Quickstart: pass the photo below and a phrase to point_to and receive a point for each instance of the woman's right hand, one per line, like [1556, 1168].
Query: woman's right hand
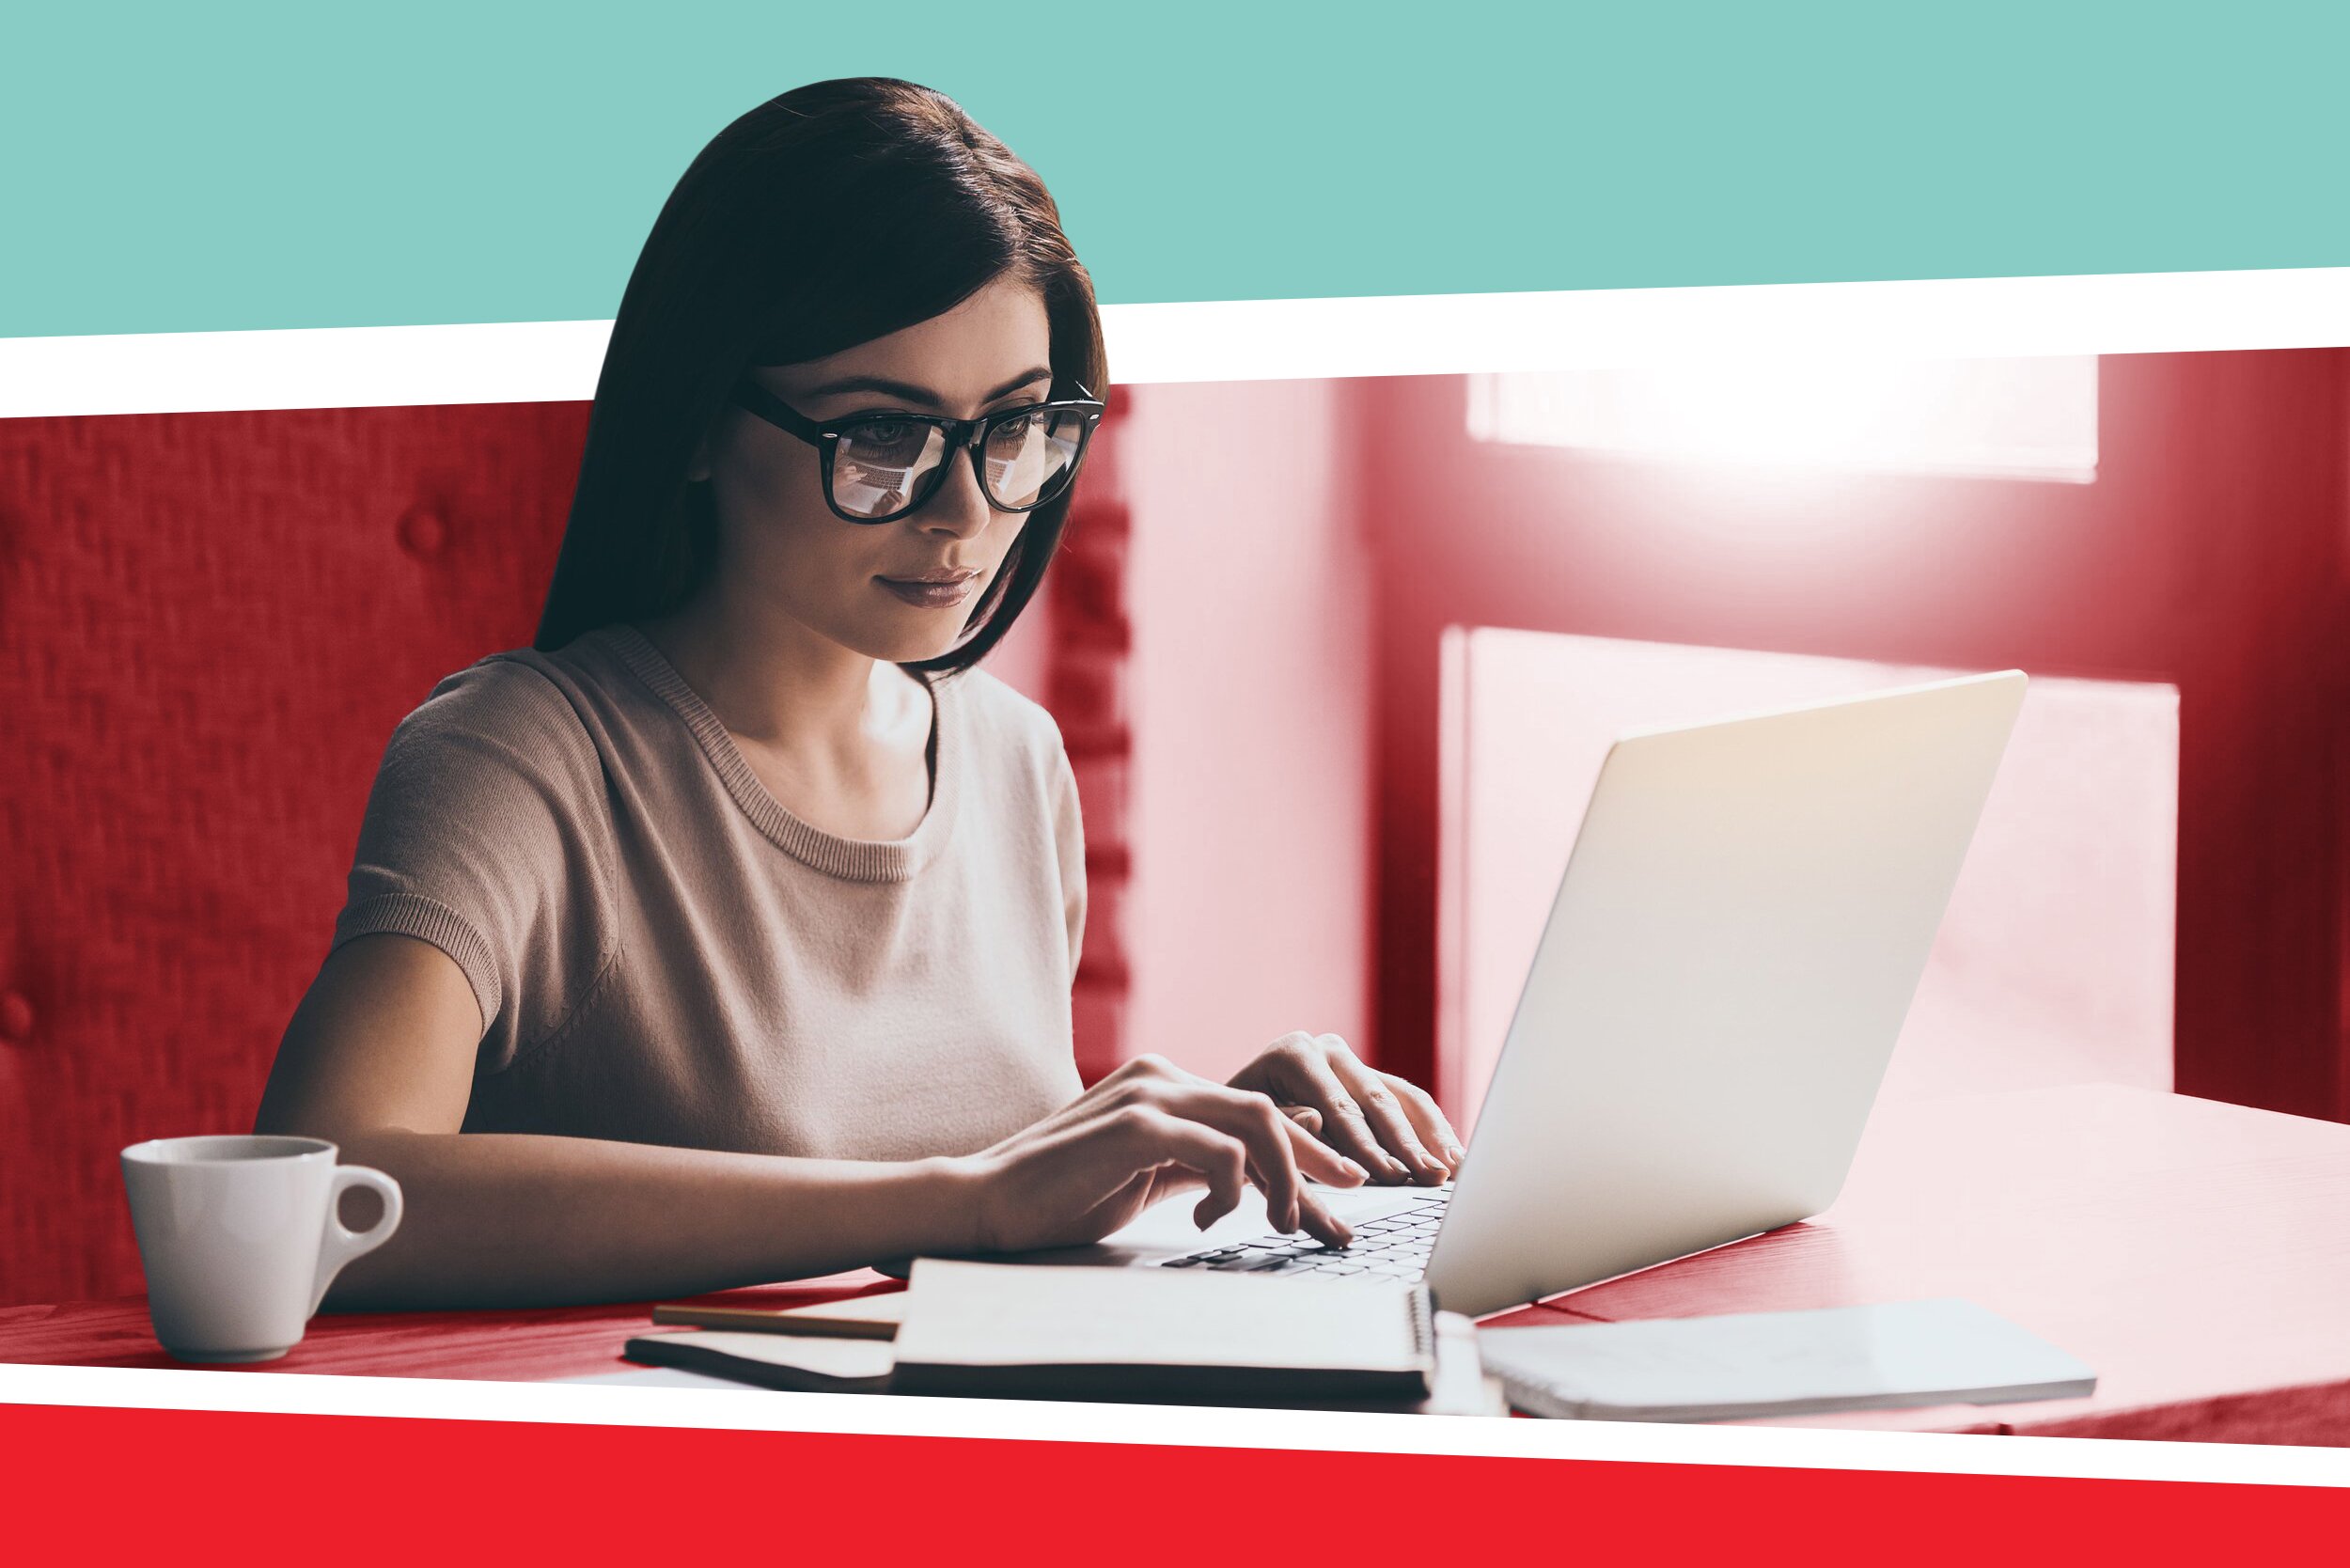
[1145, 1131]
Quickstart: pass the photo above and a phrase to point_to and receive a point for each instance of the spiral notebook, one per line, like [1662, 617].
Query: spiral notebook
[1037, 1332]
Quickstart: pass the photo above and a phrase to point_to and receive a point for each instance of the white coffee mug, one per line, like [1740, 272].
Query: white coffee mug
[240, 1238]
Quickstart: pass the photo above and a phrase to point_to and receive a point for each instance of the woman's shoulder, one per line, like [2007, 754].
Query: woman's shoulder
[517, 711]
[1001, 718]
[497, 692]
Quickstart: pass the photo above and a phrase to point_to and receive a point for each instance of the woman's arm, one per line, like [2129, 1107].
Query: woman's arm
[379, 1056]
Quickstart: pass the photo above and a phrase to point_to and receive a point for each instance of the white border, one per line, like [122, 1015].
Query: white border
[1019, 1420]
[533, 362]
[1257, 339]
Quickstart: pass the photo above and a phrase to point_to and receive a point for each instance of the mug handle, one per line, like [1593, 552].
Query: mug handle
[341, 1244]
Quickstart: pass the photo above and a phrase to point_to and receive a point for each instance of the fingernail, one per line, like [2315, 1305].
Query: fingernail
[1454, 1153]
[1354, 1170]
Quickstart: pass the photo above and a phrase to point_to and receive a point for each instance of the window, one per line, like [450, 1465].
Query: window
[2011, 419]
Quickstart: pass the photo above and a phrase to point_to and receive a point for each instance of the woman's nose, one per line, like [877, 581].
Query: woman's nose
[959, 508]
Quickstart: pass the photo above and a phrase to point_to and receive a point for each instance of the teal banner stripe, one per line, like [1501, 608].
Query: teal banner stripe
[181, 169]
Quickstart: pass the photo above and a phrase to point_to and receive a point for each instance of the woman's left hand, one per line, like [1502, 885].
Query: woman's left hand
[1390, 1127]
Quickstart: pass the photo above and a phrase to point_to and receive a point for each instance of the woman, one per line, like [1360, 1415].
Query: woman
[727, 934]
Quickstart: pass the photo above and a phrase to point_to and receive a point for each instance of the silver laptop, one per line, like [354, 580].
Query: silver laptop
[1733, 946]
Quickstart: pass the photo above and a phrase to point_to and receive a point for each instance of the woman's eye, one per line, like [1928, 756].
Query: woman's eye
[885, 441]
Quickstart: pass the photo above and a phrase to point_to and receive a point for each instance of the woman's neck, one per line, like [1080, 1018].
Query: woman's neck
[774, 681]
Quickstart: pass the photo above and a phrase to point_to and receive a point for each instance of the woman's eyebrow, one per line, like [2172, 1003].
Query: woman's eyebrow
[1041, 372]
[908, 392]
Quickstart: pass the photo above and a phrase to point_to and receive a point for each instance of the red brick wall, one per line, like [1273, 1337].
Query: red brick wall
[1092, 637]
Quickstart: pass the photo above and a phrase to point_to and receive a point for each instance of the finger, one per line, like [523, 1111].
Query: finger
[1344, 1127]
[1278, 1070]
[1320, 1224]
[1428, 1120]
[1119, 1087]
[1384, 1113]
[1264, 1131]
[1317, 1161]
[1245, 1114]
[1312, 1217]
[1295, 1074]
[1314, 1157]
[1147, 1136]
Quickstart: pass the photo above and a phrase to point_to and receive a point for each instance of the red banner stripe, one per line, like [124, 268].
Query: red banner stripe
[94, 1481]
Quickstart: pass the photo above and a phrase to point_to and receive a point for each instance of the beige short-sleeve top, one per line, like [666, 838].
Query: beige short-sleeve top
[664, 954]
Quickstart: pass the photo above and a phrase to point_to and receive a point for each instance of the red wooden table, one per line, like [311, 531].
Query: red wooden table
[2195, 1254]
[512, 1345]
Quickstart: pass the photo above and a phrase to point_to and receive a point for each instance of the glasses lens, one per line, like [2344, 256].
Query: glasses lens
[1029, 457]
[879, 467]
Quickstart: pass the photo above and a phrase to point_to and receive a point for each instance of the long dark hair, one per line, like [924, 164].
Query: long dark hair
[826, 218]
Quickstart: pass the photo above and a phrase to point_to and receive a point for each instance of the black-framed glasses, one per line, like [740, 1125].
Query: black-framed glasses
[878, 467]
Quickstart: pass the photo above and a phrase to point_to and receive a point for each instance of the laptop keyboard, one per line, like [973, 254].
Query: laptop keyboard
[1395, 1247]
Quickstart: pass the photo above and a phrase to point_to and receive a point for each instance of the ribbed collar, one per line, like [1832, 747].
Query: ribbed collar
[851, 859]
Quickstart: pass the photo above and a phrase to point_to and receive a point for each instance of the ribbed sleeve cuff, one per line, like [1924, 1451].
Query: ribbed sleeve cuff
[427, 921]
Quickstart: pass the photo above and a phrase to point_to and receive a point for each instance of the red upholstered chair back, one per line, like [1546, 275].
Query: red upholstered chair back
[211, 623]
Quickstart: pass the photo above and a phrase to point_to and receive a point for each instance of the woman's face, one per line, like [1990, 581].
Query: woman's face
[900, 590]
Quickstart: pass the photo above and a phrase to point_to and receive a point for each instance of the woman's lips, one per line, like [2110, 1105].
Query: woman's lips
[931, 593]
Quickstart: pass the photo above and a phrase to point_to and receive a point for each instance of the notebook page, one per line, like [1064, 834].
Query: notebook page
[997, 1314]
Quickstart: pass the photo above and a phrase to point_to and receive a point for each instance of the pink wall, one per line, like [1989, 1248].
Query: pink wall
[1250, 595]
[1023, 659]
[1250, 686]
